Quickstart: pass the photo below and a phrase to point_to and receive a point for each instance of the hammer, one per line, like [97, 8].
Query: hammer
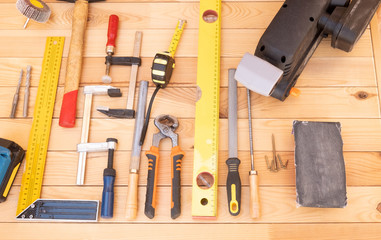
[74, 62]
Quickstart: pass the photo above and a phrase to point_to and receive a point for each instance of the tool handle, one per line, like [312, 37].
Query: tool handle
[113, 23]
[233, 186]
[108, 193]
[177, 156]
[74, 64]
[132, 196]
[153, 159]
[254, 196]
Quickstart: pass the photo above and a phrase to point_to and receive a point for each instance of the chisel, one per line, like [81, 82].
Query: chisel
[233, 182]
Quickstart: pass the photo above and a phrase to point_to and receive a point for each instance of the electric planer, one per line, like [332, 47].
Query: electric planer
[293, 36]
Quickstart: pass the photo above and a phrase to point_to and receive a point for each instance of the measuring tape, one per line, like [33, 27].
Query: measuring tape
[205, 183]
[161, 71]
[176, 37]
[42, 120]
[164, 62]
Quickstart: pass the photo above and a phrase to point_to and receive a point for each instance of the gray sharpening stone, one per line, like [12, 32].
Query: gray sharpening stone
[319, 165]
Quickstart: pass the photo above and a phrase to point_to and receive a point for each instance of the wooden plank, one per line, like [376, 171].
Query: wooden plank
[362, 169]
[278, 205]
[61, 231]
[235, 42]
[358, 134]
[338, 71]
[155, 15]
[148, 1]
[351, 102]
[376, 40]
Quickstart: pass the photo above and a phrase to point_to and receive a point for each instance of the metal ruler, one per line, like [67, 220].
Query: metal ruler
[42, 120]
[205, 183]
[176, 37]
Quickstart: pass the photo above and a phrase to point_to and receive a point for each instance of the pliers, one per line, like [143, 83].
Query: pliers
[167, 125]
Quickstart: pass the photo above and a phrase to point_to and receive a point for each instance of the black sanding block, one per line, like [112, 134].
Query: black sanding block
[319, 165]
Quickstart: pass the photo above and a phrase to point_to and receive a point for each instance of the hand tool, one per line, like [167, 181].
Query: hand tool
[61, 210]
[255, 211]
[133, 177]
[42, 119]
[16, 96]
[112, 33]
[74, 63]
[109, 173]
[11, 156]
[33, 9]
[26, 93]
[167, 125]
[205, 170]
[233, 181]
[134, 62]
[161, 70]
[293, 36]
[89, 91]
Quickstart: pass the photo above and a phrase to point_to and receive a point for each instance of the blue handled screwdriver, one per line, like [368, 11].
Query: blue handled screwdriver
[109, 174]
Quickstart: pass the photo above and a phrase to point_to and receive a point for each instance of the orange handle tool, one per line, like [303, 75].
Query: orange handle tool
[113, 23]
[177, 156]
[153, 159]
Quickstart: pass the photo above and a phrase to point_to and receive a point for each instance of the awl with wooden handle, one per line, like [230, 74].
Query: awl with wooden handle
[112, 32]
[255, 211]
[74, 62]
[132, 194]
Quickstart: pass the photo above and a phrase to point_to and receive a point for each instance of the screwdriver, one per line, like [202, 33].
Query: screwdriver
[233, 181]
[253, 175]
[112, 31]
[109, 174]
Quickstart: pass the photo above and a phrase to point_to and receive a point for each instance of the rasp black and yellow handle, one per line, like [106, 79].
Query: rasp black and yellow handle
[233, 186]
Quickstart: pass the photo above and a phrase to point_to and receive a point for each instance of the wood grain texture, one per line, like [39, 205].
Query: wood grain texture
[336, 86]
[234, 43]
[344, 102]
[61, 231]
[278, 205]
[362, 169]
[336, 72]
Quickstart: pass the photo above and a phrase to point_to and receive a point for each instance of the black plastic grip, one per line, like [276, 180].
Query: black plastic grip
[176, 186]
[123, 61]
[233, 186]
[150, 204]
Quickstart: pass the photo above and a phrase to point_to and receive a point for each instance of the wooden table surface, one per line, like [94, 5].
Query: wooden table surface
[332, 85]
